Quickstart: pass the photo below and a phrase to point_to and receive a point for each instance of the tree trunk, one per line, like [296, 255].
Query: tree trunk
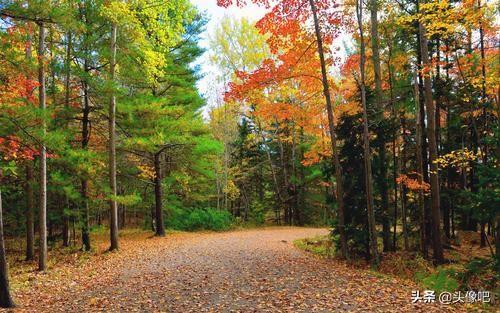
[65, 230]
[42, 260]
[382, 181]
[431, 135]
[30, 197]
[420, 170]
[333, 137]
[497, 236]
[366, 144]
[5, 298]
[483, 84]
[67, 77]
[30, 212]
[423, 142]
[404, 189]
[160, 226]
[395, 150]
[85, 142]
[112, 148]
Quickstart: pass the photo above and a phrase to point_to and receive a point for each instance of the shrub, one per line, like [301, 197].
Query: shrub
[441, 280]
[198, 219]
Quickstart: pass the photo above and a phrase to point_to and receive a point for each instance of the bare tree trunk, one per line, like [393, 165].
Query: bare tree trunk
[333, 137]
[395, 150]
[404, 189]
[67, 68]
[423, 143]
[30, 208]
[366, 144]
[484, 105]
[160, 226]
[431, 135]
[42, 260]
[382, 181]
[112, 149]
[85, 224]
[85, 142]
[65, 230]
[5, 298]
[420, 170]
[30, 197]
[497, 236]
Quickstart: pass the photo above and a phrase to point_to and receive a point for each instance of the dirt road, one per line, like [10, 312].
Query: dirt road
[240, 271]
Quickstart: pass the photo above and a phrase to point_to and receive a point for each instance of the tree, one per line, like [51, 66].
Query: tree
[333, 139]
[366, 143]
[431, 135]
[286, 30]
[42, 222]
[5, 298]
[113, 226]
[373, 6]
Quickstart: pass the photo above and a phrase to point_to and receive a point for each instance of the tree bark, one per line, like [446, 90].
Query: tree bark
[112, 148]
[5, 298]
[382, 181]
[30, 211]
[423, 140]
[333, 137]
[404, 189]
[431, 135]
[85, 142]
[395, 150]
[42, 260]
[160, 226]
[30, 197]
[65, 229]
[497, 236]
[366, 144]
[420, 170]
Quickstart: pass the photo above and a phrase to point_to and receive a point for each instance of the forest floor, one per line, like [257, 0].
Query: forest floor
[254, 270]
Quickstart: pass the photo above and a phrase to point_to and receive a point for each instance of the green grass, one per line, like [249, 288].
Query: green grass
[319, 245]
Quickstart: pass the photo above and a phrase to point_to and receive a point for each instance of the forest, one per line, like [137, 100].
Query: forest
[365, 131]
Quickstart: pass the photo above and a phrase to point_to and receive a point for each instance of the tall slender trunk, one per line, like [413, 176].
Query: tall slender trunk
[420, 170]
[497, 236]
[42, 260]
[5, 298]
[30, 200]
[484, 96]
[67, 74]
[112, 148]
[447, 205]
[404, 189]
[423, 140]
[366, 143]
[333, 137]
[65, 220]
[30, 212]
[448, 214]
[67, 77]
[395, 150]
[431, 135]
[85, 142]
[382, 181]
[160, 226]
[484, 105]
